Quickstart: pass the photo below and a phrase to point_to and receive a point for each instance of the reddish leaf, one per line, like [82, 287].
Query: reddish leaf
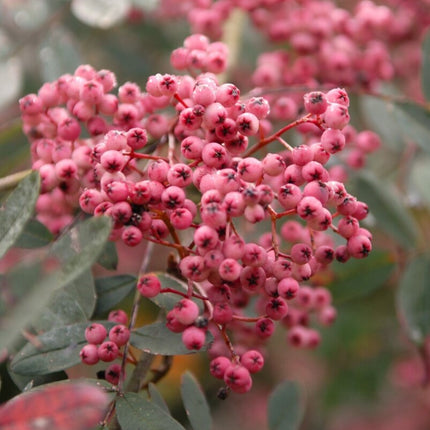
[63, 406]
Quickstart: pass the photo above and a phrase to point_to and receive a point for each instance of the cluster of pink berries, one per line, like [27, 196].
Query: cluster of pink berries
[357, 44]
[187, 180]
[98, 348]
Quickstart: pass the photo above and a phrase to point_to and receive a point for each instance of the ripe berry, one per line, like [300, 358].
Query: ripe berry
[108, 351]
[95, 333]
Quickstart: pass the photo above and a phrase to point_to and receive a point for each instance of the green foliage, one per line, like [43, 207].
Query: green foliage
[109, 257]
[425, 71]
[156, 338]
[52, 351]
[413, 298]
[111, 290]
[285, 407]
[136, 413]
[167, 301]
[34, 235]
[361, 277]
[384, 202]
[195, 403]
[17, 210]
[414, 121]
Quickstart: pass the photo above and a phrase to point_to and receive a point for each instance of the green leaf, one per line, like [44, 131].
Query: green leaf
[167, 301]
[68, 305]
[414, 121]
[136, 413]
[359, 278]
[112, 290]
[195, 403]
[156, 338]
[420, 178]
[17, 210]
[385, 204]
[425, 71]
[285, 408]
[77, 251]
[379, 114]
[28, 382]
[34, 235]
[59, 349]
[413, 298]
[157, 398]
[109, 257]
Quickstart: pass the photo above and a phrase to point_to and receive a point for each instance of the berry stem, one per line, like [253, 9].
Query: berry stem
[262, 143]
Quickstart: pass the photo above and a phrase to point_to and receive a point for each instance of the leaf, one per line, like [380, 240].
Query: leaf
[414, 121]
[285, 408]
[136, 413]
[24, 382]
[413, 298]
[100, 13]
[379, 114]
[420, 178]
[109, 257]
[195, 403]
[71, 304]
[34, 235]
[77, 250]
[167, 301]
[112, 290]
[156, 398]
[385, 204]
[63, 406]
[17, 210]
[359, 278]
[156, 338]
[54, 350]
[425, 71]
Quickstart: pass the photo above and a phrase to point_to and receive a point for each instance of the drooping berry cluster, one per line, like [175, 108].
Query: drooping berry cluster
[98, 348]
[180, 158]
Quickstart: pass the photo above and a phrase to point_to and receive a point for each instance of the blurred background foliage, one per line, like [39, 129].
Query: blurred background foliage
[367, 364]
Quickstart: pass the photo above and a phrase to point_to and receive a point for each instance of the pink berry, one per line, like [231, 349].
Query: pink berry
[108, 351]
[149, 285]
[186, 311]
[238, 378]
[112, 373]
[193, 338]
[118, 316]
[252, 360]
[218, 366]
[95, 333]
[89, 354]
[119, 334]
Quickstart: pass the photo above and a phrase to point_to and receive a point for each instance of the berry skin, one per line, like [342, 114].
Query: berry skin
[108, 351]
[276, 308]
[112, 373]
[186, 311]
[119, 334]
[238, 378]
[118, 316]
[252, 360]
[315, 102]
[149, 285]
[89, 354]
[95, 333]
[193, 338]
[218, 366]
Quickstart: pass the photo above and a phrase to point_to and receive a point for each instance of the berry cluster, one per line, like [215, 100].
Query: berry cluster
[174, 165]
[98, 348]
[358, 44]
